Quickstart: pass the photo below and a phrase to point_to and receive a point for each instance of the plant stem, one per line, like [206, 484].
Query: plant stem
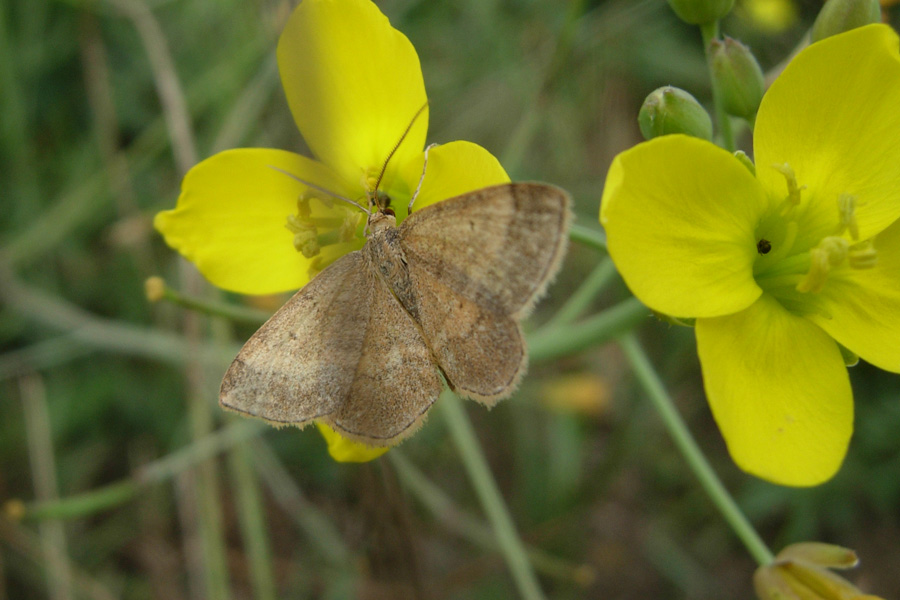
[442, 507]
[555, 341]
[596, 282]
[252, 520]
[691, 452]
[114, 494]
[237, 314]
[588, 236]
[491, 500]
[710, 32]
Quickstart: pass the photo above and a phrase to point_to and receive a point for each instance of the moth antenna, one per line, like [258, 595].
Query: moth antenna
[321, 189]
[421, 179]
[397, 145]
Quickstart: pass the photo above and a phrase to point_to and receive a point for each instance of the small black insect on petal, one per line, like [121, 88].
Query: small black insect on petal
[763, 246]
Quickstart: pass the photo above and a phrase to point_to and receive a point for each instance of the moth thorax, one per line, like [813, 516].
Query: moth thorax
[381, 220]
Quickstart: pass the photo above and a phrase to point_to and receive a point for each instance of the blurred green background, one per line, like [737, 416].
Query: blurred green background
[103, 106]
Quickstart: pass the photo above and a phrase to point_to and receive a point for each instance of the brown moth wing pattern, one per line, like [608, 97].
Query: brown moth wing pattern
[480, 351]
[396, 380]
[343, 351]
[319, 332]
[478, 262]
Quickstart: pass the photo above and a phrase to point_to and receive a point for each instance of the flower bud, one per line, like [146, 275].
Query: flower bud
[671, 110]
[737, 77]
[801, 571]
[838, 16]
[155, 289]
[701, 12]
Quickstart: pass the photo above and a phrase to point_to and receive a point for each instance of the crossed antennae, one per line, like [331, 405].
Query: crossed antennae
[397, 145]
[323, 190]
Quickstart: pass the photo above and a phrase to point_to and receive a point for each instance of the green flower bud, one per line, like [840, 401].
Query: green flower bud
[671, 110]
[838, 16]
[736, 77]
[701, 12]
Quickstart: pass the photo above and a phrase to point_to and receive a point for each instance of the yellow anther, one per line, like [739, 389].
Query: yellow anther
[847, 216]
[369, 180]
[793, 197]
[862, 256]
[306, 239]
[831, 252]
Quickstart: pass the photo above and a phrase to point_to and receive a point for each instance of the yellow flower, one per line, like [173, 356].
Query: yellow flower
[784, 270]
[355, 89]
[800, 572]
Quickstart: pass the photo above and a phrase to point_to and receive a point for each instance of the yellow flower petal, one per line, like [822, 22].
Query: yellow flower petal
[832, 116]
[453, 169]
[343, 450]
[231, 215]
[779, 391]
[353, 84]
[862, 306]
[680, 215]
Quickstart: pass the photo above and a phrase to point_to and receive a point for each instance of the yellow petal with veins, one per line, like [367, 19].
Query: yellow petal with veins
[231, 215]
[680, 215]
[779, 391]
[353, 84]
[832, 116]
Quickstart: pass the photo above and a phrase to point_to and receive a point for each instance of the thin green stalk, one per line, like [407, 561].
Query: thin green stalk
[43, 472]
[442, 507]
[588, 236]
[554, 341]
[309, 519]
[491, 500]
[115, 494]
[691, 452]
[602, 275]
[157, 289]
[710, 32]
[252, 520]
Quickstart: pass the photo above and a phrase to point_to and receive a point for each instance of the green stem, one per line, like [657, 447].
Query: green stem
[602, 275]
[236, 314]
[588, 236]
[252, 520]
[118, 493]
[491, 500]
[691, 452]
[710, 32]
[555, 341]
[474, 530]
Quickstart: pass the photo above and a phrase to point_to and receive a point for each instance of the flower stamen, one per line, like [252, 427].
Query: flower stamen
[793, 197]
[312, 233]
[862, 256]
[831, 252]
[847, 216]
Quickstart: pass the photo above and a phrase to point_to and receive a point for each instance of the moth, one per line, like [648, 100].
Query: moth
[367, 345]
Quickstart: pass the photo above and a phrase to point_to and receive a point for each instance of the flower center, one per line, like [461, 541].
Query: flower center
[315, 228]
[794, 267]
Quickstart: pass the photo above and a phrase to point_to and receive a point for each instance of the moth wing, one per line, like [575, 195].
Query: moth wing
[480, 350]
[300, 364]
[395, 381]
[497, 246]
[477, 263]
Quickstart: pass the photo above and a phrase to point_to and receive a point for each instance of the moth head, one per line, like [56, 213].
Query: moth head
[380, 220]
